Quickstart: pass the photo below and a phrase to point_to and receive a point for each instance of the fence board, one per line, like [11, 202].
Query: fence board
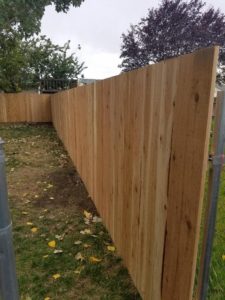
[139, 141]
[25, 107]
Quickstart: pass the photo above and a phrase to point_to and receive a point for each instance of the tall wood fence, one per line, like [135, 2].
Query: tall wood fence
[25, 107]
[140, 144]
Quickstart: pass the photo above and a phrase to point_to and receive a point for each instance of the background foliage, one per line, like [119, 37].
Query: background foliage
[25, 57]
[174, 28]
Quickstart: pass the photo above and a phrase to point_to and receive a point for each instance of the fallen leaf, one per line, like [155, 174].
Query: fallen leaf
[52, 244]
[223, 257]
[87, 246]
[78, 270]
[94, 235]
[111, 248]
[30, 223]
[45, 256]
[96, 219]
[49, 186]
[45, 210]
[87, 215]
[47, 298]
[59, 237]
[24, 213]
[56, 276]
[36, 196]
[77, 242]
[34, 229]
[58, 251]
[51, 198]
[94, 259]
[79, 256]
[85, 231]
[86, 221]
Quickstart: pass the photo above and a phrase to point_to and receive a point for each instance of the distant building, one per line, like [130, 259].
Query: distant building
[85, 81]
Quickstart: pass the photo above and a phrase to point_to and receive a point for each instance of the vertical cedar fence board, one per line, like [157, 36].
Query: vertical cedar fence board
[140, 142]
[25, 107]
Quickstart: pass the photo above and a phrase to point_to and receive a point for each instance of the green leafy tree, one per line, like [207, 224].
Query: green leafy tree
[27, 62]
[25, 59]
[12, 63]
[25, 16]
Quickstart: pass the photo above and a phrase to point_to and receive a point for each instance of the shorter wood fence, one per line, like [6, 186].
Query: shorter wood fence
[25, 107]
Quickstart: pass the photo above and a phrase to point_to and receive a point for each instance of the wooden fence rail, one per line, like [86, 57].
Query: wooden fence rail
[25, 107]
[140, 144]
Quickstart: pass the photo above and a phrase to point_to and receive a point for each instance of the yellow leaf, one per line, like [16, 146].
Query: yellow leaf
[223, 257]
[87, 215]
[111, 248]
[29, 223]
[56, 276]
[52, 244]
[34, 229]
[47, 298]
[94, 259]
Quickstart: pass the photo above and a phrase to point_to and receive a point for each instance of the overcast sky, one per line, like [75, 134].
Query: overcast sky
[97, 26]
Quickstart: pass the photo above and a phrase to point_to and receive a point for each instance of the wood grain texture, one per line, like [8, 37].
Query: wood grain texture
[25, 107]
[139, 141]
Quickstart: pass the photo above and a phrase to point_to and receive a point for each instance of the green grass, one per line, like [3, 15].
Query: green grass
[37, 159]
[45, 189]
[217, 270]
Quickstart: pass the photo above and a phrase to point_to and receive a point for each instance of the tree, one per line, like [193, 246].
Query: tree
[12, 62]
[176, 27]
[25, 62]
[49, 61]
[25, 16]
[19, 52]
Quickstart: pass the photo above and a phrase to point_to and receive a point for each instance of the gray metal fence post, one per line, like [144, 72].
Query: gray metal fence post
[8, 280]
[217, 162]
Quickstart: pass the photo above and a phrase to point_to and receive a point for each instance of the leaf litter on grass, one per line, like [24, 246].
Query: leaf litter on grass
[68, 222]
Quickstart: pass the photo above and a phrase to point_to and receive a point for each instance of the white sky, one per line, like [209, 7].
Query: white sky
[97, 26]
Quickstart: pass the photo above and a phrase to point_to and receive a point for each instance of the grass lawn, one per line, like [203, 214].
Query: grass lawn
[61, 252]
[48, 200]
[217, 272]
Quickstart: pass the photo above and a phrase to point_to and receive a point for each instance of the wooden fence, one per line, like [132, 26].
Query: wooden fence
[25, 107]
[140, 144]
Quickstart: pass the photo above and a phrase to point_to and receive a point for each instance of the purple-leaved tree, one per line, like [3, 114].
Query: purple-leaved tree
[175, 27]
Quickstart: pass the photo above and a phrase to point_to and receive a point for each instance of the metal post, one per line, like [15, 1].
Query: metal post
[8, 281]
[217, 163]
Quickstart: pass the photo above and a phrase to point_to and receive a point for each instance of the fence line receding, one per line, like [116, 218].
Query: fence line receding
[140, 143]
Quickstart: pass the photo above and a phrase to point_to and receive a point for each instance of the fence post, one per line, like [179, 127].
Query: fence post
[8, 280]
[214, 184]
